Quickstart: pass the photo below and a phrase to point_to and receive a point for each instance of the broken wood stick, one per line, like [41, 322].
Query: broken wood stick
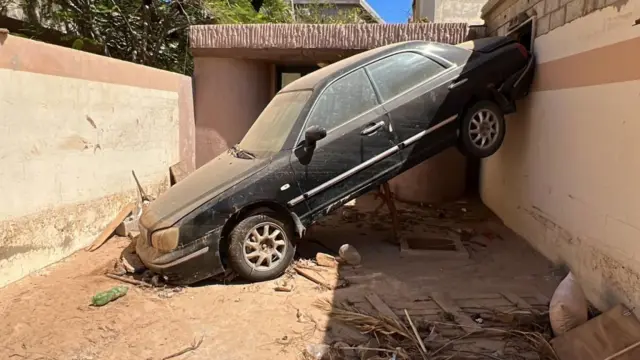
[416, 334]
[108, 231]
[382, 307]
[315, 277]
[193, 347]
[623, 351]
[127, 280]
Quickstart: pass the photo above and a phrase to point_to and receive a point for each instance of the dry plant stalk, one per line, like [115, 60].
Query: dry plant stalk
[393, 335]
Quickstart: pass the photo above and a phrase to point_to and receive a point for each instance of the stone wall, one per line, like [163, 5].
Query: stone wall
[72, 127]
[550, 14]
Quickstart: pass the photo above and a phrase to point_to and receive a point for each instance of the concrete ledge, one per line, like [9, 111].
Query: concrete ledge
[30, 243]
[320, 36]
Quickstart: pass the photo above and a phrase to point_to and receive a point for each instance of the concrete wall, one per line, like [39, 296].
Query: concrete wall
[72, 127]
[450, 11]
[229, 96]
[567, 176]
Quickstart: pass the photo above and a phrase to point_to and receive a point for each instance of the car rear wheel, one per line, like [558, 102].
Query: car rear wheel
[483, 130]
[260, 247]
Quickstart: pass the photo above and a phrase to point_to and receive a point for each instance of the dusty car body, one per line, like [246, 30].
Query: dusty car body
[325, 139]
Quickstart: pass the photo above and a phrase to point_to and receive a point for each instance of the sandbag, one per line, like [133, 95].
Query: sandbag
[568, 307]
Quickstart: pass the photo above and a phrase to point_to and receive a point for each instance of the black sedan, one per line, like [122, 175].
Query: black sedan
[325, 139]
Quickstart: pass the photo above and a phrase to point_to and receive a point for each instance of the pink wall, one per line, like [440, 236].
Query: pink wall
[440, 178]
[229, 96]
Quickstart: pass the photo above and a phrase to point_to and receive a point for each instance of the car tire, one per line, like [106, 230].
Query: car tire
[482, 130]
[265, 256]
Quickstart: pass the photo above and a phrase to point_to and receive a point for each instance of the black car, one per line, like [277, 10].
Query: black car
[325, 139]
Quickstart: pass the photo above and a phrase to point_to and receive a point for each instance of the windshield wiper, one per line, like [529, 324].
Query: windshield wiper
[240, 153]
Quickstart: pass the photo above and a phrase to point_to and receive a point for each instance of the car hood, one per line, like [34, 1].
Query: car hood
[196, 189]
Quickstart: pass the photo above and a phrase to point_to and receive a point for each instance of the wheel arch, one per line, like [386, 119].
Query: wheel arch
[255, 208]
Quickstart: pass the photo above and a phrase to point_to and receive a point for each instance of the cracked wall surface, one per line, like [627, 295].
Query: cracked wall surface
[73, 126]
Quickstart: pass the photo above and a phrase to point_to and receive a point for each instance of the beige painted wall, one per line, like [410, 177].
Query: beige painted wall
[229, 96]
[72, 127]
[567, 175]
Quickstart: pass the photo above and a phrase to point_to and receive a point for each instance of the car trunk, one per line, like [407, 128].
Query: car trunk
[486, 45]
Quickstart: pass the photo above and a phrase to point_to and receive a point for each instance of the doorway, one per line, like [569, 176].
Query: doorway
[286, 74]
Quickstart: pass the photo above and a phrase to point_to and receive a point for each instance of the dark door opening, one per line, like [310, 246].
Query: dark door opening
[287, 74]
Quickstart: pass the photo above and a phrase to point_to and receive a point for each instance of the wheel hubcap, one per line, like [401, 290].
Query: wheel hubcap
[484, 128]
[265, 246]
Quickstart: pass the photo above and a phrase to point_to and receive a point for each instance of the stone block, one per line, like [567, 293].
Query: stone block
[128, 226]
[538, 8]
[551, 6]
[575, 9]
[557, 18]
[593, 5]
[542, 25]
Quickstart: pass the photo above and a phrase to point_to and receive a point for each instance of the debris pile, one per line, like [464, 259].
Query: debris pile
[525, 333]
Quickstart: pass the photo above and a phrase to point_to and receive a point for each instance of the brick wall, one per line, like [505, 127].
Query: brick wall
[550, 14]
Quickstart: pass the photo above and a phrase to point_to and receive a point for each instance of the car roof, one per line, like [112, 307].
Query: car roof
[324, 75]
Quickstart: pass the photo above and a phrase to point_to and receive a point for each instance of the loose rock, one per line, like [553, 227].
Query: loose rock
[350, 255]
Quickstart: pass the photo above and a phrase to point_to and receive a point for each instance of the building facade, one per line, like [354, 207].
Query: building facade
[448, 11]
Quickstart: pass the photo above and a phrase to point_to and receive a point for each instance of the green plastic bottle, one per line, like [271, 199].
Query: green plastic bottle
[105, 297]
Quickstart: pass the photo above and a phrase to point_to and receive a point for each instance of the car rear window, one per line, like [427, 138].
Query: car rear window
[398, 73]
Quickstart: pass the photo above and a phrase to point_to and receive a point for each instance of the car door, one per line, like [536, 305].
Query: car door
[352, 155]
[413, 88]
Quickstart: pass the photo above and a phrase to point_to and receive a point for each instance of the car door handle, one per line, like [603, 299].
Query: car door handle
[457, 83]
[372, 128]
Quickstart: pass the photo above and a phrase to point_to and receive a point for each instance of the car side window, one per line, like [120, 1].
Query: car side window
[343, 100]
[398, 73]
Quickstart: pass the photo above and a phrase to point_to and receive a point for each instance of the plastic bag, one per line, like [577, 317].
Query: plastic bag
[568, 307]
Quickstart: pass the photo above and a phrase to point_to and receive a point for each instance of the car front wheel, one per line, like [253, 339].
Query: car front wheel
[483, 130]
[260, 248]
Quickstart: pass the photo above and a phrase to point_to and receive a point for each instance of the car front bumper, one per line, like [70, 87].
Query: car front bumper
[186, 265]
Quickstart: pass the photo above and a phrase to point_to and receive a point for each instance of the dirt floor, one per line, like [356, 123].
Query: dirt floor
[47, 315]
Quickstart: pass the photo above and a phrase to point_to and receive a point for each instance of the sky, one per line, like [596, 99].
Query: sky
[392, 11]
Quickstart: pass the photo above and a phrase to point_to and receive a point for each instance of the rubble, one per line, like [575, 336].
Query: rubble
[350, 255]
[408, 339]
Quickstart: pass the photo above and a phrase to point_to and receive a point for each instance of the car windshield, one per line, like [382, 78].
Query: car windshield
[269, 132]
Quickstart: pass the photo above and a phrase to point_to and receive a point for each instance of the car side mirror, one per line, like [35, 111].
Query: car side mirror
[314, 134]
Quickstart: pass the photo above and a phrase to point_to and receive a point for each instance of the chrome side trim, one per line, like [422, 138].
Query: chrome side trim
[295, 201]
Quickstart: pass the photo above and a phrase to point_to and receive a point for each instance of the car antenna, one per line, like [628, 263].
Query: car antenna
[143, 196]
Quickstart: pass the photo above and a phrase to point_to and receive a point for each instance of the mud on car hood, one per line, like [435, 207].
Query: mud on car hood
[199, 187]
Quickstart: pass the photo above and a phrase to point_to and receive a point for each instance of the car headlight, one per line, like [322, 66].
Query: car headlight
[165, 240]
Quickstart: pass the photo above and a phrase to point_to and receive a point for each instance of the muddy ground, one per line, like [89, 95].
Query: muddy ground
[47, 315]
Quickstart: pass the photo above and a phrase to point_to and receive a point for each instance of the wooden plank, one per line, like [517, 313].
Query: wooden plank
[516, 300]
[601, 337]
[108, 231]
[382, 307]
[446, 303]
[331, 283]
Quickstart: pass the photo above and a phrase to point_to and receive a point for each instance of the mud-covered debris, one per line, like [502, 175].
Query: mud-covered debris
[284, 285]
[350, 255]
[105, 297]
[318, 351]
[130, 260]
[326, 260]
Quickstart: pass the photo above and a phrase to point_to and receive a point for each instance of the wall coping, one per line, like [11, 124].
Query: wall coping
[320, 36]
